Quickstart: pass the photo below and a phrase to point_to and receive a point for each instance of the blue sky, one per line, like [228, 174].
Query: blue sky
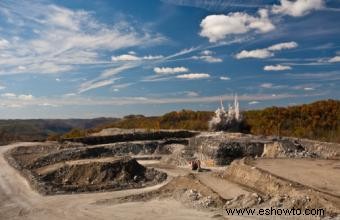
[85, 59]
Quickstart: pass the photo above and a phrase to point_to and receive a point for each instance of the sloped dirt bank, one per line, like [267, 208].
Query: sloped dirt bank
[276, 191]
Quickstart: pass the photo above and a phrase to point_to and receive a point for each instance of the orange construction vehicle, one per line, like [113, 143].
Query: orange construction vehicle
[195, 165]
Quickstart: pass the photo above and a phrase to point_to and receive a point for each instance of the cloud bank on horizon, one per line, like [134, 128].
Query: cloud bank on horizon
[107, 58]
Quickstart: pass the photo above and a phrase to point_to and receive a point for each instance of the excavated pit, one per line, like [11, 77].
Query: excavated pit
[73, 168]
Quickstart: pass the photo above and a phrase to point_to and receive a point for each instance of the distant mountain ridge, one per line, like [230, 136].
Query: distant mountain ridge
[39, 129]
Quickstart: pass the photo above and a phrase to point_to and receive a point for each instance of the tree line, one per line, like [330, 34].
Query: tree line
[319, 120]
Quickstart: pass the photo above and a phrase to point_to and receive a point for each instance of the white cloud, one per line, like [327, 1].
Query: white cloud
[70, 94]
[208, 59]
[3, 43]
[8, 95]
[182, 52]
[258, 53]
[65, 18]
[150, 57]
[121, 86]
[46, 104]
[297, 8]
[307, 87]
[253, 102]
[283, 46]
[191, 94]
[157, 78]
[116, 70]
[335, 59]
[134, 57]
[206, 52]
[276, 67]
[22, 97]
[94, 85]
[170, 70]
[193, 76]
[57, 79]
[272, 86]
[103, 80]
[224, 78]
[21, 68]
[25, 97]
[266, 85]
[63, 39]
[265, 52]
[125, 57]
[206, 55]
[218, 27]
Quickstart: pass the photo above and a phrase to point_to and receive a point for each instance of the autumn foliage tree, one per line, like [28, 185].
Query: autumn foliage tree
[319, 120]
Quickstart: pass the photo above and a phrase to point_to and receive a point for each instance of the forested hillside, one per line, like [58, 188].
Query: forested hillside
[40, 129]
[319, 120]
[185, 119]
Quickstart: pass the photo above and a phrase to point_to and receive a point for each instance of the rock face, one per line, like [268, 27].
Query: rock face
[221, 150]
[123, 173]
[133, 136]
[322, 149]
[115, 149]
[284, 149]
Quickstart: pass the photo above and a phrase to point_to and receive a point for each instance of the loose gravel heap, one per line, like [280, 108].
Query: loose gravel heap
[123, 173]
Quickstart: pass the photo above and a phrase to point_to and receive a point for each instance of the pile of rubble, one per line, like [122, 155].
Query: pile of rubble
[244, 201]
[286, 149]
[122, 173]
[197, 200]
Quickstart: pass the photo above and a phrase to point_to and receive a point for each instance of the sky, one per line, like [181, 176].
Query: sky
[86, 59]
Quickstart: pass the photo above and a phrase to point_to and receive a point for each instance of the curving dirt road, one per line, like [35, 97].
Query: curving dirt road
[19, 201]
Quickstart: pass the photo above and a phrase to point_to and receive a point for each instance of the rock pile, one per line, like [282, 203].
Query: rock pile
[244, 201]
[286, 149]
[123, 173]
[197, 200]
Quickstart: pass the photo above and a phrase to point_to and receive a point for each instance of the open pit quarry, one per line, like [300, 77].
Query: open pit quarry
[138, 174]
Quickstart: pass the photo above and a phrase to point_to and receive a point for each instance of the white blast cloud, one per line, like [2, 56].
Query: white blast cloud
[231, 120]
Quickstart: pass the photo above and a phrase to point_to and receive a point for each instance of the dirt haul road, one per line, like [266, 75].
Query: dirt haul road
[19, 201]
